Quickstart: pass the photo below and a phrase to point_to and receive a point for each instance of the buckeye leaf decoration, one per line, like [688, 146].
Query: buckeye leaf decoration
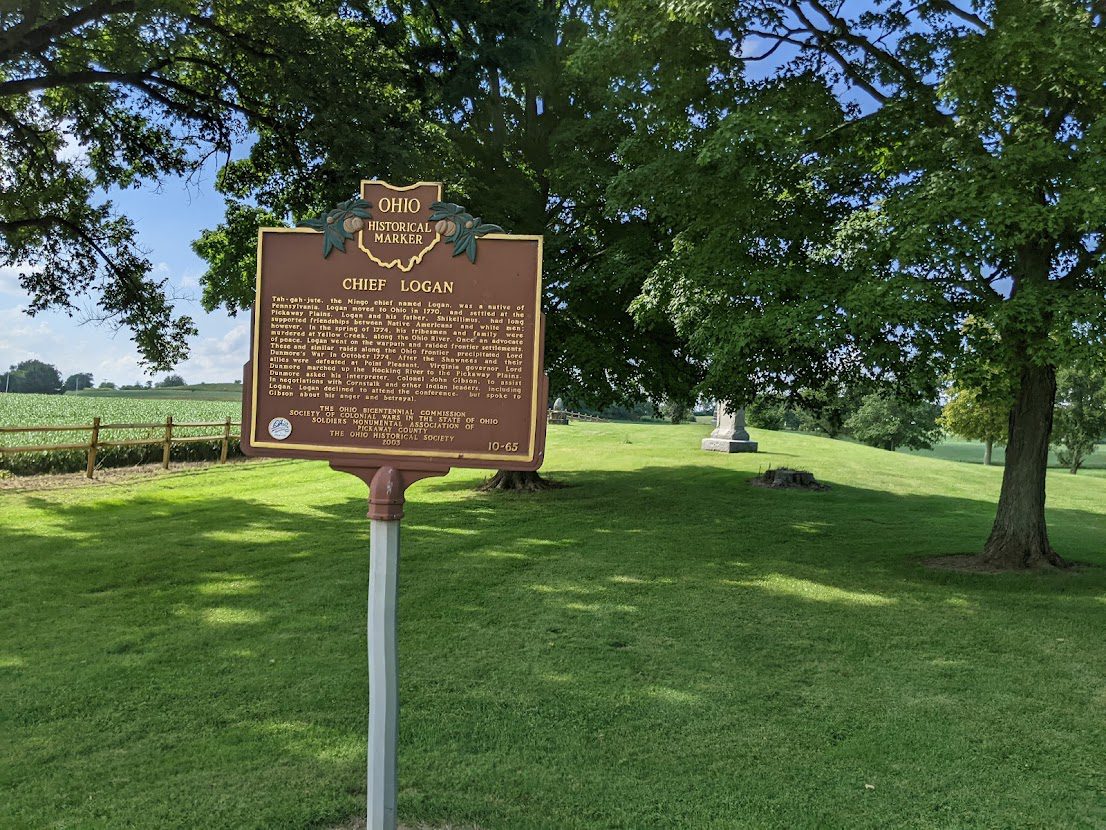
[340, 224]
[461, 228]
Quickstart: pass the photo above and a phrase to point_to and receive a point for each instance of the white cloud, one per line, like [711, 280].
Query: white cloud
[63, 341]
[80, 344]
[218, 359]
[23, 334]
[752, 46]
[9, 282]
[122, 368]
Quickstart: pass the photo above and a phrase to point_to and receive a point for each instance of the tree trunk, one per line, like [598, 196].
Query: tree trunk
[1019, 538]
[1077, 461]
[988, 448]
[527, 481]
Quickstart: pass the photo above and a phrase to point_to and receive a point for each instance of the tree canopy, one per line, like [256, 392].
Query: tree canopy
[112, 93]
[872, 181]
[496, 101]
[33, 376]
[885, 421]
[1080, 413]
[80, 380]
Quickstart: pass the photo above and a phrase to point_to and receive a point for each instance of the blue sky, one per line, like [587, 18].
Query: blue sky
[167, 219]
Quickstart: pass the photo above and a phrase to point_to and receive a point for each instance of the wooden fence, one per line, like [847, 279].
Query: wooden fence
[96, 443]
[580, 416]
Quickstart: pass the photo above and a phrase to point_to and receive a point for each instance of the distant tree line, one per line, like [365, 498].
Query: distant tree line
[980, 412]
[41, 378]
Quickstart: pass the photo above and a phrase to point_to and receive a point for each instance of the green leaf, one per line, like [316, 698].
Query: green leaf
[446, 209]
[487, 228]
[461, 241]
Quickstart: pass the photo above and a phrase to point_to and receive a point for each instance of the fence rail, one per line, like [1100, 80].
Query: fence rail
[580, 416]
[96, 443]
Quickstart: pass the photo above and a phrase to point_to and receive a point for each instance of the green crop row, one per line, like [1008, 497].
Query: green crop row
[46, 410]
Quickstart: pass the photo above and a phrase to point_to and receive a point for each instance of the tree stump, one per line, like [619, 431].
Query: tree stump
[786, 477]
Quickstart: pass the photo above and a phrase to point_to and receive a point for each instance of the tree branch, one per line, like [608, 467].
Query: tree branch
[827, 46]
[842, 31]
[71, 79]
[966, 16]
[33, 38]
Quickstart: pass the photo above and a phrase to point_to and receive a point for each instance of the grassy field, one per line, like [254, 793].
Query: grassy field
[658, 645]
[972, 453]
[193, 392]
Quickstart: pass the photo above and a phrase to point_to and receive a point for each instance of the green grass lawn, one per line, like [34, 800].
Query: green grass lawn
[658, 645]
[972, 453]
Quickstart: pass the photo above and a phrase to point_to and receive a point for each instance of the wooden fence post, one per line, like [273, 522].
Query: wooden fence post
[226, 442]
[92, 442]
[168, 441]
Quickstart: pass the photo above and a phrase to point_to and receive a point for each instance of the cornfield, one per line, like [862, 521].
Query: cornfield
[45, 410]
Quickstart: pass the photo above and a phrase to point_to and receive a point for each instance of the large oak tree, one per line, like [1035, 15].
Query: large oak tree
[883, 173]
[500, 108]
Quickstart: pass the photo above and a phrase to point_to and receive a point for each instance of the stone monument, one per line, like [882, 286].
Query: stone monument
[730, 434]
[557, 414]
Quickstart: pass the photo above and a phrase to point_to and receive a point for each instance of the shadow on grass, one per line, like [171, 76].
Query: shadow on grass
[650, 615]
[694, 524]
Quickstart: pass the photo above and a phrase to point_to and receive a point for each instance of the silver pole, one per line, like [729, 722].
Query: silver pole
[383, 676]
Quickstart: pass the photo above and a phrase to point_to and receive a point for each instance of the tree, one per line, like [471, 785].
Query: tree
[676, 411]
[826, 409]
[1080, 419]
[34, 376]
[973, 416]
[768, 413]
[106, 384]
[889, 174]
[886, 421]
[982, 396]
[111, 93]
[171, 380]
[74, 383]
[501, 106]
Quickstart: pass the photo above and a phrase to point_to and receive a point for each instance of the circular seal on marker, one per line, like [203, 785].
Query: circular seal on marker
[280, 428]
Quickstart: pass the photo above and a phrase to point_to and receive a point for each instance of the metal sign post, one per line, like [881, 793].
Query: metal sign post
[385, 515]
[384, 343]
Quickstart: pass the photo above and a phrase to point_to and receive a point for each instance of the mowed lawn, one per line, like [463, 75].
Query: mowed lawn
[971, 452]
[658, 645]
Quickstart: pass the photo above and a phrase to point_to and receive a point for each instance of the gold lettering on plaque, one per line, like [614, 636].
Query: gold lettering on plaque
[376, 356]
[427, 286]
[363, 284]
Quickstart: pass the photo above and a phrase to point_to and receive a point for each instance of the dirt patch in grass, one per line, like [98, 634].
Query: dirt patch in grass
[112, 476]
[974, 564]
[961, 563]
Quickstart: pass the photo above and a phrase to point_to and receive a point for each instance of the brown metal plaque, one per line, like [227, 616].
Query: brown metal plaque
[396, 351]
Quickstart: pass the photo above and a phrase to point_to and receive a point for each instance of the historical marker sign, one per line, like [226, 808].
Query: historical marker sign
[395, 336]
[407, 329]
